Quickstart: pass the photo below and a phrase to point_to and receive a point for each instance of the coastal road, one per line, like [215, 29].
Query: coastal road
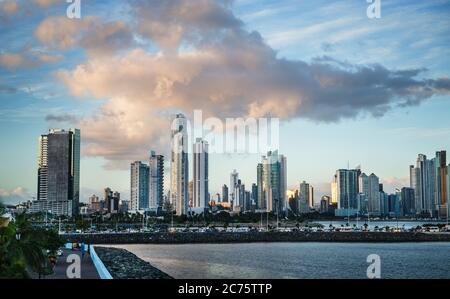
[88, 270]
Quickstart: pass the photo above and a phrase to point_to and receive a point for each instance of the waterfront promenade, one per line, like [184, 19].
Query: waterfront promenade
[251, 237]
[88, 270]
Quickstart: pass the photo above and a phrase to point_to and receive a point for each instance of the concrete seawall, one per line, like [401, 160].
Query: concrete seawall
[189, 238]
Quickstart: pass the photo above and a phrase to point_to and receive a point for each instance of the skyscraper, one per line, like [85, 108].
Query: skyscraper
[224, 193]
[423, 183]
[234, 177]
[259, 182]
[139, 186]
[274, 181]
[440, 198]
[346, 188]
[201, 181]
[179, 165]
[254, 195]
[408, 202]
[369, 186]
[156, 177]
[304, 198]
[59, 172]
[111, 200]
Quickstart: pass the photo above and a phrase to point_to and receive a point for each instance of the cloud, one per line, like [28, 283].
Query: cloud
[207, 60]
[27, 58]
[9, 7]
[169, 23]
[90, 33]
[11, 60]
[46, 3]
[14, 196]
[62, 118]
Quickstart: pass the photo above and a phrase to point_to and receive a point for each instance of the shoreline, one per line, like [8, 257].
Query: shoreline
[122, 264]
[260, 237]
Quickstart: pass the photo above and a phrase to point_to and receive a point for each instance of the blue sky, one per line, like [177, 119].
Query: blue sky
[44, 89]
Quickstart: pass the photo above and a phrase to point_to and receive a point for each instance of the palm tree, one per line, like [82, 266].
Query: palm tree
[23, 248]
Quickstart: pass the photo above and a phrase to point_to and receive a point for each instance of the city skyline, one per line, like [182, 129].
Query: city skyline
[49, 84]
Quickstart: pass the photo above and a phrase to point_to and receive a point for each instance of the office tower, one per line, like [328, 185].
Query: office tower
[274, 178]
[448, 189]
[408, 202]
[254, 195]
[440, 198]
[200, 164]
[370, 187]
[346, 188]
[234, 177]
[423, 183]
[224, 193]
[259, 182]
[247, 200]
[179, 165]
[238, 202]
[58, 186]
[325, 202]
[283, 183]
[139, 186]
[304, 196]
[156, 183]
[111, 200]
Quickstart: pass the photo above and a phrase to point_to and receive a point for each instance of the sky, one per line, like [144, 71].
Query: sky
[348, 90]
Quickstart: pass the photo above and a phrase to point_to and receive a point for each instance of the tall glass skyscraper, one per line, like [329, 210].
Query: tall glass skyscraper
[179, 165]
[59, 172]
[423, 183]
[346, 187]
[201, 181]
[274, 181]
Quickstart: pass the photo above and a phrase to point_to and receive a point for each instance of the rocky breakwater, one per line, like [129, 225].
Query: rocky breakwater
[188, 238]
[122, 264]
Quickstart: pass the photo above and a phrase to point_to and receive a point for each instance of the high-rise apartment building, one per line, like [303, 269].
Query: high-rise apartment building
[139, 186]
[224, 193]
[58, 184]
[423, 178]
[369, 186]
[274, 182]
[440, 198]
[201, 181]
[179, 165]
[261, 201]
[345, 182]
[156, 183]
[234, 177]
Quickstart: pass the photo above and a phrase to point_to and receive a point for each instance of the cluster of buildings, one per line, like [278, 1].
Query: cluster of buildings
[353, 192]
[427, 196]
[193, 196]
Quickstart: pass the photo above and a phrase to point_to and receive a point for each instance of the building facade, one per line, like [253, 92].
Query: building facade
[179, 165]
[201, 169]
[139, 186]
[156, 183]
[59, 172]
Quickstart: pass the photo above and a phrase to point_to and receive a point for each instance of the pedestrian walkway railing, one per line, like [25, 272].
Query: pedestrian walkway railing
[101, 269]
